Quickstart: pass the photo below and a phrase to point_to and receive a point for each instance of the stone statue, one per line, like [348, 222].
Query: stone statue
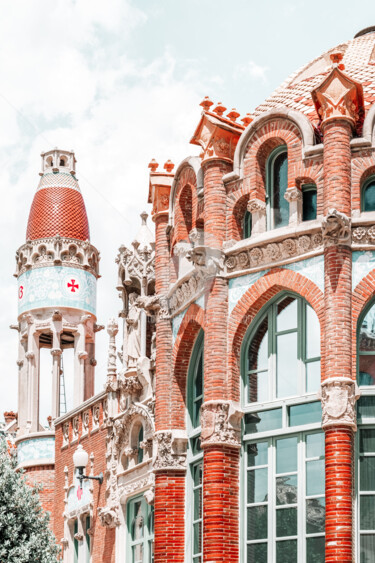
[134, 331]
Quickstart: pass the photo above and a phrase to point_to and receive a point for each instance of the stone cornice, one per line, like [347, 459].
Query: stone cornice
[83, 406]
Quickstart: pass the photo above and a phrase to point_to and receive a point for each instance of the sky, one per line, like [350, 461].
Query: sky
[120, 82]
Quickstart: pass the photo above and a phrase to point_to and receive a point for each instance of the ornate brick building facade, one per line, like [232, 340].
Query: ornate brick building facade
[238, 418]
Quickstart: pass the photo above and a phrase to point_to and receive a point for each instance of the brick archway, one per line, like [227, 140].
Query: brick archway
[363, 293]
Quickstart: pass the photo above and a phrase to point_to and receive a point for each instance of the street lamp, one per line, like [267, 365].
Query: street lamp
[80, 460]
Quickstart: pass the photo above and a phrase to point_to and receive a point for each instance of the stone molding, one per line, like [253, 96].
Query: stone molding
[336, 228]
[57, 251]
[293, 194]
[363, 235]
[267, 253]
[171, 450]
[134, 486]
[221, 423]
[338, 396]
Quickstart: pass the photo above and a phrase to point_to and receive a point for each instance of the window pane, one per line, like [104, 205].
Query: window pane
[257, 485]
[366, 407]
[287, 366]
[369, 197]
[263, 421]
[257, 553]
[305, 414]
[286, 489]
[197, 503]
[257, 523]
[367, 332]
[367, 441]
[312, 333]
[315, 477]
[197, 474]
[367, 473]
[286, 551]
[312, 377]
[367, 369]
[367, 548]
[257, 454]
[280, 184]
[198, 383]
[315, 550]
[258, 387]
[315, 515]
[367, 512]
[308, 204]
[247, 224]
[138, 553]
[258, 349]
[286, 455]
[315, 445]
[197, 537]
[286, 522]
[287, 314]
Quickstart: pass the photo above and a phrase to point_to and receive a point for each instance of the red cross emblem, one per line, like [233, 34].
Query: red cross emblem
[79, 493]
[73, 286]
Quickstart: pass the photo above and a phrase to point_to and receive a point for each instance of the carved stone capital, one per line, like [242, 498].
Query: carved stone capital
[109, 516]
[181, 248]
[171, 450]
[336, 228]
[30, 355]
[256, 206]
[55, 352]
[221, 423]
[149, 495]
[112, 327]
[338, 396]
[83, 355]
[20, 363]
[293, 194]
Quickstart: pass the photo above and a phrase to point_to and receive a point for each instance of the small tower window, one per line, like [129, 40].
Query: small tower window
[368, 195]
[308, 202]
[247, 225]
[277, 184]
[139, 447]
[62, 162]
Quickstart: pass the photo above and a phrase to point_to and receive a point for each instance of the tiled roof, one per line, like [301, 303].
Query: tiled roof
[295, 92]
[58, 209]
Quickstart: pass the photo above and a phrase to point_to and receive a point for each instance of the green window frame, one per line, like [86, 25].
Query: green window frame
[276, 186]
[195, 382]
[76, 544]
[366, 347]
[140, 531]
[281, 351]
[309, 202]
[139, 449]
[247, 225]
[368, 195]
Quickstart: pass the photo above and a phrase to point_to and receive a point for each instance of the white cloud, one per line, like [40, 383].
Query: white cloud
[250, 70]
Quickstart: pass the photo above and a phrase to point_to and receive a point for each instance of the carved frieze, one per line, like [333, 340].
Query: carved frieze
[336, 228]
[221, 423]
[171, 450]
[270, 252]
[338, 396]
[363, 235]
[57, 251]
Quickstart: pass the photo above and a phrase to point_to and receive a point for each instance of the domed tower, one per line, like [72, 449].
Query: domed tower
[57, 269]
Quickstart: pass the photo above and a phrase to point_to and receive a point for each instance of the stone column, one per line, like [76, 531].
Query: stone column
[112, 329]
[32, 356]
[80, 355]
[338, 101]
[22, 364]
[56, 370]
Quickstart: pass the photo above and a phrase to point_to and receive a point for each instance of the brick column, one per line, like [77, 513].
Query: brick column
[338, 383]
[221, 448]
[169, 466]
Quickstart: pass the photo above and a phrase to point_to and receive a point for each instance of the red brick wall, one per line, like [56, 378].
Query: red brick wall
[44, 475]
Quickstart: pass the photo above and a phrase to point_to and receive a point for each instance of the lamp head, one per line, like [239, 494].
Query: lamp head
[80, 458]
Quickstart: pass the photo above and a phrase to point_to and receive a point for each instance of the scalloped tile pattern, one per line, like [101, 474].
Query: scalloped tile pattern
[58, 211]
[60, 179]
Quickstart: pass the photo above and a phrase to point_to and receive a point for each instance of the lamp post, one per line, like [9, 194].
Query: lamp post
[80, 460]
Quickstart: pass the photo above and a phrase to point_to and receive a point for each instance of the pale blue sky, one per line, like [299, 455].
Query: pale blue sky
[121, 83]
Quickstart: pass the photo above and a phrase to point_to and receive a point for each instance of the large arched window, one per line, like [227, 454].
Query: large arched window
[283, 352]
[277, 184]
[283, 495]
[195, 455]
[366, 349]
[368, 195]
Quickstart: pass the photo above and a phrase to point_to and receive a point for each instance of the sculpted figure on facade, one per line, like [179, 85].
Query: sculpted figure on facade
[336, 228]
[171, 450]
[221, 423]
[134, 331]
[338, 396]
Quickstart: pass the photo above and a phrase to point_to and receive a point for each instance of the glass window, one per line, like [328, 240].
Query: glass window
[140, 531]
[285, 503]
[247, 222]
[76, 545]
[309, 198]
[139, 447]
[366, 349]
[366, 497]
[195, 382]
[283, 353]
[197, 480]
[368, 195]
[277, 184]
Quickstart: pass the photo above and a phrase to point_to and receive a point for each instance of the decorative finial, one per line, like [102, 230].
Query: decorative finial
[206, 103]
[247, 119]
[233, 114]
[336, 58]
[220, 109]
[144, 216]
[168, 166]
[153, 165]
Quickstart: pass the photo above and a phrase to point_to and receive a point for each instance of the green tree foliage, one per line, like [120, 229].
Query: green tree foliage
[24, 533]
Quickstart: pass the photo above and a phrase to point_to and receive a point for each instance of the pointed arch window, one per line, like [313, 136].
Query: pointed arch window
[282, 352]
[366, 349]
[139, 445]
[247, 223]
[368, 195]
[277, 184]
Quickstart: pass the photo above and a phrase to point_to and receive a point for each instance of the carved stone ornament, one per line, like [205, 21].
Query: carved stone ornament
[338, 396]
[57, 251]
[256, 206]
[149, 495]
[363, 235]
[109, 516]
[293, 194]
[217, 137]
[171, 450]
[270, 252]
[336, 228]
[221, 423]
